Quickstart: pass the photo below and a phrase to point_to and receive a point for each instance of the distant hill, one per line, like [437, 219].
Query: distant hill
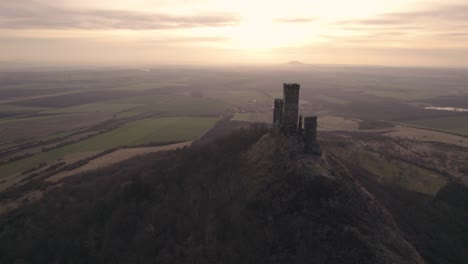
[295, 63]
[239, 199]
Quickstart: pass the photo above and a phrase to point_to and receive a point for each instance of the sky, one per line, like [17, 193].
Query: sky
[221, 32]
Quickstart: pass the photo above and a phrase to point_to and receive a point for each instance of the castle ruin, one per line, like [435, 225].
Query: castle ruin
[286, 119]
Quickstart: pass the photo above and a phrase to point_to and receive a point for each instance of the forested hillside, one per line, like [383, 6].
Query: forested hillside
[239, 199]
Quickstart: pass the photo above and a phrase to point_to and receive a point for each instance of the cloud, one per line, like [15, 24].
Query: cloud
[295, 20]
[141, 41]
[366, 37]
[429, 27]
[34, 15]
[185, 41]
[198, 39]
[437, 18]
[455, 35]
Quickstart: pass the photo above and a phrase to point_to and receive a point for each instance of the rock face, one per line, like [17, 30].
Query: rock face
[238, 200]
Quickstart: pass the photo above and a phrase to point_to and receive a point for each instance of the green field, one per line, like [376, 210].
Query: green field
[134, 133]
[453, 124]
[148, 130]
[177, 105]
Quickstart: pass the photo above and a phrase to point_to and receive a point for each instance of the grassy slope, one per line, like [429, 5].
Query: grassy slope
[403, 174]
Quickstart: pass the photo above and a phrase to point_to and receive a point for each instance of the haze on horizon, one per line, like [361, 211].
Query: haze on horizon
[395, 33]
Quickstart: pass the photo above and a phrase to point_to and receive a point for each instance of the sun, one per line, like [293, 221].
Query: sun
[266, 33]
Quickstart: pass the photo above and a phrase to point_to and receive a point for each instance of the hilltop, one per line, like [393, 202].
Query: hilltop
[237, 199]
[295, 63]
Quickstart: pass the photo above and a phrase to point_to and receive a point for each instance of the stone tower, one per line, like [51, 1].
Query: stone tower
[278, 111]
[301, 139]
[310, 133]
[291, 107]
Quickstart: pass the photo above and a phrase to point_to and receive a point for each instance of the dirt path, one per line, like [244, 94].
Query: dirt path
[115, 157]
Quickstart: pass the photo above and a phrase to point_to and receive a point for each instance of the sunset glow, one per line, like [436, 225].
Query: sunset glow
[398, 32]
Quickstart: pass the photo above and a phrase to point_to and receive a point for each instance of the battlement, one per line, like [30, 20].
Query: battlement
[279, 103]
[292, 87]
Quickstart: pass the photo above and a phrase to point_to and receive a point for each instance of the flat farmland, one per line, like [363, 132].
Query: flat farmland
[250, 117]
[148, 130]
[54, 105]
[253, 117]
[406, 94]
[452, 124]
[11, 111]
[116, 157]
[130, 112]
[150, 85]
[97, 107]
[243, 97]
[458, 99]
[331, 123]
[20, 129]
[6, 146]
[177, 105]
[78, 98]
[135, 133]
[332, 100]
[18, 109]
